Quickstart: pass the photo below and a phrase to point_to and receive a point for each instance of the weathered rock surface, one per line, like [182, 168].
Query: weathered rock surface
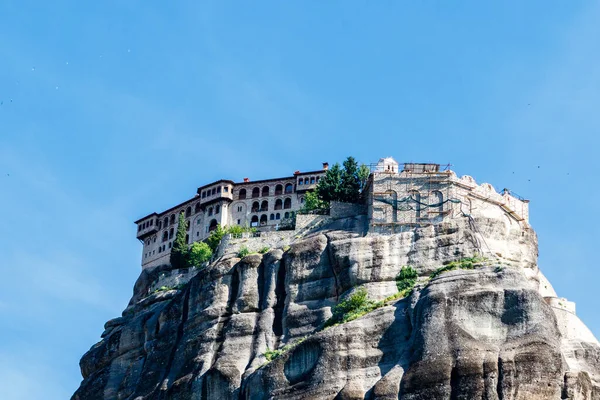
[486, 333]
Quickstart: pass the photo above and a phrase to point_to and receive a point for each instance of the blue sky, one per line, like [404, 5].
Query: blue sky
[111, 110]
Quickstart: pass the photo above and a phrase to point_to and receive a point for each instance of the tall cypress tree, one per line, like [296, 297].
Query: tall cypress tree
[179, 252]
[328, 187]
[350, 183]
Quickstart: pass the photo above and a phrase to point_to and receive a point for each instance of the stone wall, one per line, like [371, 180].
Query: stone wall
[255, 242]
[345, 210]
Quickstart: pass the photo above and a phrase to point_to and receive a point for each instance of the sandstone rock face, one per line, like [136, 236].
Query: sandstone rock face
[484, 333]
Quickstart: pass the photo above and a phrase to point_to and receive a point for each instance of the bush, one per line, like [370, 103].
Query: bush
[406, 279]
[351, 308]
[264, 250]
[243, 252]
[199, 253]
[238, 229]
[464, 263]
[214, 239]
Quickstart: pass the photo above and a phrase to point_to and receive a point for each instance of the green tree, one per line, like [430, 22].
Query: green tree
[199, 253]
[179, 252]
[214, 239]
[349, 188]
[313, 202]
[363, 176]
[328, 187]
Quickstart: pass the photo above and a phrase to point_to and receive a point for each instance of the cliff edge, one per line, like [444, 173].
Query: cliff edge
[254, 328]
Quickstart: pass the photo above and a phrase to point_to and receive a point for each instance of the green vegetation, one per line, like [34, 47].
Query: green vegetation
[271, 355]
[338, 184]
[238, 229]
[264, 250]
[214, 239]
[199, 253]
[351, 308]
[167, 288]
[406, 279]
[286, 247]
[464, 263]
[243, 252]
[179, 252]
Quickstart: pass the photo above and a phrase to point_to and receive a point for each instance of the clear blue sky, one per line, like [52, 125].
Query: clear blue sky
[115, 109]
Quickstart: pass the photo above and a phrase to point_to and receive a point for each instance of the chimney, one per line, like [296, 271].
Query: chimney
[246, 179]
[296, 172]
[325, 166]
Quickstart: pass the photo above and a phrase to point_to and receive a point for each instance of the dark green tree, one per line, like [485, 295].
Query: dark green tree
[349, 188]
[179, 252]
[363, 176]
[328, 187]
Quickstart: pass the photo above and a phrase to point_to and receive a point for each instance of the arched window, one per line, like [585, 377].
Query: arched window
[286, 215]
[254, 221]
[287, 203]
[255, 192]
[171, 231]
[264, 206]
[197, 208]
[278, 190]
[172, 219]
[312, 180]
[289, 188]
[278, 204]
[187, 225]
[165, 236]
[416, 202]
[437, 200]
[306, 181]
[217, 209]
[277, 216]
[166, 222]
[300, 181]
[255, 206]
[263, 219]
[213, 225]
[198, 221]
[301, 200]
[169, 244]
[265, 191]
[318, 177]
[188, 211]
[210, 211]
[242, 194]
[272, 217]
[187, 238]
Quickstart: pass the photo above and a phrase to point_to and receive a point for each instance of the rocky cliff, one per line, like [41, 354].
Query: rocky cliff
[494, 331]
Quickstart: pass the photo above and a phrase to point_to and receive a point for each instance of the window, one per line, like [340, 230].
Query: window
[265, 191]
[171, 234]
[278, 190]
[277, 216]
[203, 194]
[159, 249]
[214, 191]
[318, 177]
[172, 219]
[239, 222]
[255, 206]
[239, 208]
[226, 189]
[264, 206]
[255, 192]
[312, 180]
[306, 181]
[148, 242]
[154, 241]
[169, 244]
[197, 233]
[289, 188]
[159, 225]
[286, 215]
[166, 223]
[165, 236]
[263, 219]
[300, 181]
[242, 194]
[272, 217]
[278, 204]
[217, 209]
[139, 228]
[197, 208]
[151, 222]
[153, 252]
[188, 211]
[254, 221]
[219, 189]
[287, 203]
[213, 225]
[301, 200]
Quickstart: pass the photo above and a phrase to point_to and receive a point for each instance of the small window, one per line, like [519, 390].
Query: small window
[318, 177]
[210, 211]
[301, 200]
[159, 249]
[312, 180]
[154, 241]
[198, 221]
[242, 194]
[214, 191]
[272, 217]
[197, 234]
[197, 208]
[217, 209]
[289, 188]
[203, 194]
[226, 189]
[239, 222]
[287, 215]
[277, 216]
[300, 182]
[306, 181]
[219, 189]
[169, 244]
[239, 208]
